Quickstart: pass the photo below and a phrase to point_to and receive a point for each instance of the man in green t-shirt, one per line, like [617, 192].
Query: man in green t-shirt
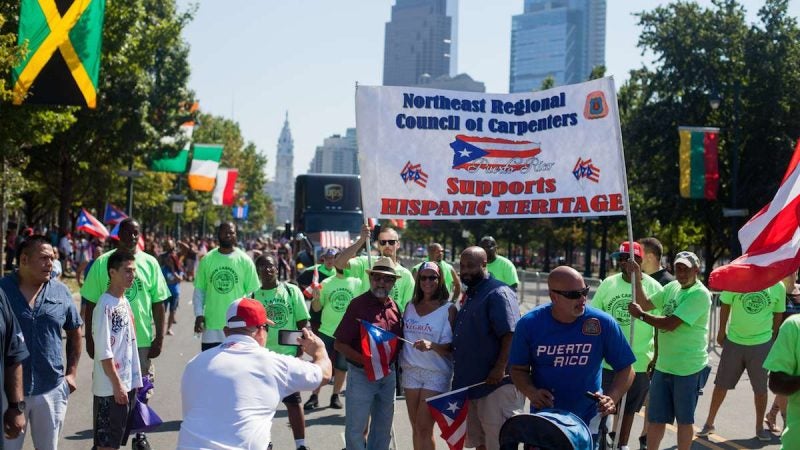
[305, 279]
[783, 363]
[451, 280]
[746, 339]
[225, 274]
[500, 267]
[287, 310]
[682, 358]
[613, 296]
[388, 243]
[332, 301]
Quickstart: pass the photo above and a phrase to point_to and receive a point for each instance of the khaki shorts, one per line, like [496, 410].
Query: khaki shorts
[736, 358]
[486, 415]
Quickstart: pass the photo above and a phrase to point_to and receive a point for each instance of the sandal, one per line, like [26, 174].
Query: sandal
[771, 419]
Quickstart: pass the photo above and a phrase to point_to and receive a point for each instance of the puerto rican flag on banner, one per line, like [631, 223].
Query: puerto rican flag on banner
[89, 224]
[770, 241]
[379, 348]
[113, 214]
[470, 152]
[338, 239]
[449, 410]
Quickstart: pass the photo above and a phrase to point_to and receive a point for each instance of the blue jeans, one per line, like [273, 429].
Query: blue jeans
[368, 399]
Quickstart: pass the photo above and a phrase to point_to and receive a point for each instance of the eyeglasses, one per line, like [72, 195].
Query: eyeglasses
[388, 241]
[428, 277]
[263, 327]
[384, 278]
[573, 295]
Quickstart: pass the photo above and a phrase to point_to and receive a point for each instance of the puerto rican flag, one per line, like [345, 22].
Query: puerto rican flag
[449, 410]
[379, 347]
[113, 214]
[308, 292]
[89, 224]
[470, 149]
[770, 241]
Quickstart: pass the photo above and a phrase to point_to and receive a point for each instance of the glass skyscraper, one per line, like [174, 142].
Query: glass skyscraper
[564, 39]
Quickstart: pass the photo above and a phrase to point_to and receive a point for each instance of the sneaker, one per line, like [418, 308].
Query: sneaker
[764, 436]
[140, 442]
[302, 447]
[312, 403]
[643, 442]
[335, 402]
[707, 429]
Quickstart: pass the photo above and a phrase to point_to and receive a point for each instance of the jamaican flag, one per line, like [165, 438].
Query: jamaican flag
[62, 64]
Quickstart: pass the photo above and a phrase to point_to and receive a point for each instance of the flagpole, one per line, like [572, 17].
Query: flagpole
[366, 219]
[626, 199]
[457, 390]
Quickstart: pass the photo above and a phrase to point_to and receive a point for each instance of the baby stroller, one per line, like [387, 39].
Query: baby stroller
[548, 429]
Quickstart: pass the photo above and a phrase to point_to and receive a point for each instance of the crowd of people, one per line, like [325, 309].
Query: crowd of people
[640, 342]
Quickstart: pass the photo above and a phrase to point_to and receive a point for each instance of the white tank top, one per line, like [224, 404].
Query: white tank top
[434, 327]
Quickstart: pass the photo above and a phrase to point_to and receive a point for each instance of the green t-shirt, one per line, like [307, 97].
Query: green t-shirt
[285, 306]
[613, 296]
[785, 357]
[334, 297]
[751, 318]
[403, 288]
[148, 287]
[447, 273]
[223, 279]
[503, 269]
[682, 351]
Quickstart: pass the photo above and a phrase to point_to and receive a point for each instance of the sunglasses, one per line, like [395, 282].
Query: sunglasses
[428, 277]
[573, 295]
[384, 278]
[388, 241]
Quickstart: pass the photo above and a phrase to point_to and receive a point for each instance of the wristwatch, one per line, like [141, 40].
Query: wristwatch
[19, 406]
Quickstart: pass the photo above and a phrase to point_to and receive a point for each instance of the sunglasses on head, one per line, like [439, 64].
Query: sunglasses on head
[388, 241]
[573, 295]
[428, 277]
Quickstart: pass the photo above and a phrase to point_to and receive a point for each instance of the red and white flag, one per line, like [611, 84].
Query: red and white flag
[308, 292]
[224, 190]
[379, 348]
[338, 239]
[770, 240]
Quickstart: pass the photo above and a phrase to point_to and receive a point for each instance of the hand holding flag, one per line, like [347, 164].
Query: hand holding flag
[379, 348]
[312, 290]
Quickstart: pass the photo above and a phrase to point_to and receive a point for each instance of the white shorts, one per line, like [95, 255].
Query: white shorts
[431, 380]
[45, 417]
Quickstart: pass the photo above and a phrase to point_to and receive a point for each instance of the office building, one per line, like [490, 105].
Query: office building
[337, 154]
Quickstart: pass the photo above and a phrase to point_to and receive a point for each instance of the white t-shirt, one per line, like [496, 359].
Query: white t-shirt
[434, 327]
[114, 336]
[230, 394]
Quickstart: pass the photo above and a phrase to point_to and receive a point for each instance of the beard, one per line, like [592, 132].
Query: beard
[472, 280]
[380, 292]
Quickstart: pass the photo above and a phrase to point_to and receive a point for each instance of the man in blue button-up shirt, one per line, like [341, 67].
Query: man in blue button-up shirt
[43, 308]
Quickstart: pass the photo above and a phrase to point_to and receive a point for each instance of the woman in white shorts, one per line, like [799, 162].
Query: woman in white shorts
[427, 364]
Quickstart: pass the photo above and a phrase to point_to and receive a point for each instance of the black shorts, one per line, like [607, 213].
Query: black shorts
[292, 399]
[111, 421]
[637, 393]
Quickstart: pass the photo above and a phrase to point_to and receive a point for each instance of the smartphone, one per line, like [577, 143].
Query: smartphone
[289, 337]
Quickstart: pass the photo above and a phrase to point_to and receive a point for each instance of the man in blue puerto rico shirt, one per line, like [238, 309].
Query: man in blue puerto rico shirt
[558, 350]
[43, 307]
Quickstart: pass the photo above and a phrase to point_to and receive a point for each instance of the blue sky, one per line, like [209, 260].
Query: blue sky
[253, 60]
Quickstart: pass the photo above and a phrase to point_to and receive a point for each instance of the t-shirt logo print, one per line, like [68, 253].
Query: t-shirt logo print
[755, 302]
[618, 308]
[132, 292]
[278, 313]
[223, 280]
[340, 298]
[119, 319]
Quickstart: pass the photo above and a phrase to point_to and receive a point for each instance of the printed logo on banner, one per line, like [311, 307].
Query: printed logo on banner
[334, 192]
[596, 106]
[412, 173]
[494, 155]
[585, 169]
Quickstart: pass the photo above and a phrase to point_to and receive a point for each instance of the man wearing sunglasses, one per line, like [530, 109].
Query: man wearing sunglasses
[558, 349]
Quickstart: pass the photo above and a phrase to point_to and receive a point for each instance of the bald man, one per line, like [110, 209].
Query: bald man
[558, 350]
[482, 337]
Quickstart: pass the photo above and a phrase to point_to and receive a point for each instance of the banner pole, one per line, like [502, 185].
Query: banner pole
[366, 219]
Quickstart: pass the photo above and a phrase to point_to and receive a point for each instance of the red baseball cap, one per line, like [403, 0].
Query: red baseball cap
[625, 248]
[246, 312]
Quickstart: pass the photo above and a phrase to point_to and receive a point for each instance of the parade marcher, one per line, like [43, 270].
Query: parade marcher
[369, 402]
[287, 310]
[499, 266]
[324, 270]
[451, 280]
[558, 349]
[117, 370]
[427, 363]
[172, 269]
[746, 338]
[792, 308]
[43, 307]
[223, 275]
[230, 393]
[783, 364]
[482, 334]
[651, 261]
[682, 358]
[388, 243]
[331, 302]
[146, 298]
[613, 296]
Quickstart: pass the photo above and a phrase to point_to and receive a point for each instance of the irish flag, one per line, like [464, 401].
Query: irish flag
[698, 162]
[225, 187]
[204, 166]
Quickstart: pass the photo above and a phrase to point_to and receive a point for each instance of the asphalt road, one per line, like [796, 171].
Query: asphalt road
[735, 422]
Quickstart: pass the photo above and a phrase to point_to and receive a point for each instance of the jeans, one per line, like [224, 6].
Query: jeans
[368, 399]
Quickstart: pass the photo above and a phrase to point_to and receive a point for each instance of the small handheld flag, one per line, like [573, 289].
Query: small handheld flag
[89, 224]
[379, 348]
[113, 215]
[308, 292]
[449, 410]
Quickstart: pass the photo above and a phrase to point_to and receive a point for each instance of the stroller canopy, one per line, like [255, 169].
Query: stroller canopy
[548, 429]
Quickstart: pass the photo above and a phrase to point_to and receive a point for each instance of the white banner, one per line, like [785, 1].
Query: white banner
[441, 155]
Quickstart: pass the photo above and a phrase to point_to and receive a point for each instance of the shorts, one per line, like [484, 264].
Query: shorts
[431, 380]
[486, 415]
[637, 393]
[673, 397]
[338, 360]
[292, 399]
[111, 421]
[171, 303]
[45, 417]
[736, 358]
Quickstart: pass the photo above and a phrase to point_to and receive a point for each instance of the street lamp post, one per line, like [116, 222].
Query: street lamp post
[715, 101]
